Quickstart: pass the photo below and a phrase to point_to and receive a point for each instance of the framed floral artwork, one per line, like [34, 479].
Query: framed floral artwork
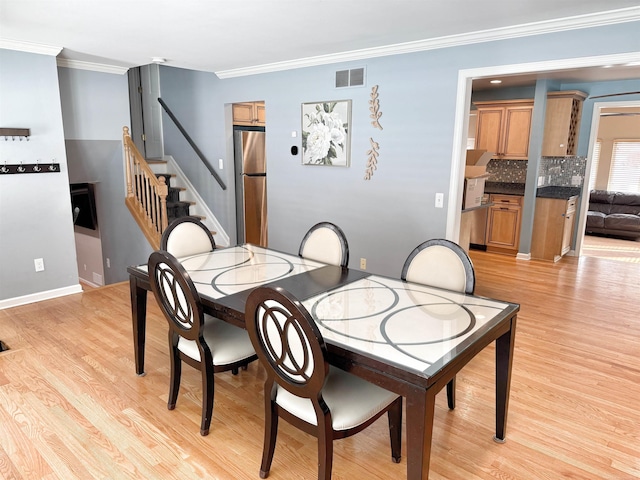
[326, 133]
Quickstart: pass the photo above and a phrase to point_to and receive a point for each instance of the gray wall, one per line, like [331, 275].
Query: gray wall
[95, 107]
[35, 209]
[386, 217]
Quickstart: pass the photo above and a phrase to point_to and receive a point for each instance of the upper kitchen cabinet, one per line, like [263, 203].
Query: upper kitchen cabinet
[503, 128]
[249, 114]
[562, 123]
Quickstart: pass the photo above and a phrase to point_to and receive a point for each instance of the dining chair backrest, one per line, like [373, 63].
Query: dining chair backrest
[187, 236]
[176, 295]
[200, 340]
[287, 342]
[440, 263]
[326, 243]
[301, 387]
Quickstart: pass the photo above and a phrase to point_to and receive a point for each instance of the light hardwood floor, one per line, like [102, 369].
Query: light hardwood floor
[610, 248]
[71, 406]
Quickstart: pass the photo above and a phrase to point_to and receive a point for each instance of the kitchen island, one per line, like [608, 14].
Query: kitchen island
[496, 228]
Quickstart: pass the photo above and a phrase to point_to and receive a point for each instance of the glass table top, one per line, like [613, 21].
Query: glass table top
[226, 271]
[412, 326]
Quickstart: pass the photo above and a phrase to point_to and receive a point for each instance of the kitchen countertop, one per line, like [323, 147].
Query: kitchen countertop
[558, 192]
[504, 188]
[551, 191]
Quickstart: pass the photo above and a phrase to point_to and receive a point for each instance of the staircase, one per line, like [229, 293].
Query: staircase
[176, 208]
[158, 193]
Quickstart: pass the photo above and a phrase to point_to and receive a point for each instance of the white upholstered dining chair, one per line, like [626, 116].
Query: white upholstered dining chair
[187, 236]
[326, 243]
[441, 263]
[303, 389]
[201, 341]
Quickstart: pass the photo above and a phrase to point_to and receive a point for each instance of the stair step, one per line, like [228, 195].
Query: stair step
[156, 161]
[174, 194]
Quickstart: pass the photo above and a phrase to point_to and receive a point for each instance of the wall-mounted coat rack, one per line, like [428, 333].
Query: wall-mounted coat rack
[29, 168]
[12, 133]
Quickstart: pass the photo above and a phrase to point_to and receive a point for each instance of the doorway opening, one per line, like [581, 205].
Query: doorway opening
[612, 121]
[591, 66]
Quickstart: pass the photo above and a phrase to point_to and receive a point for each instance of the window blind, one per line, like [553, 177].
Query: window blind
[595, 161]
[625, 166]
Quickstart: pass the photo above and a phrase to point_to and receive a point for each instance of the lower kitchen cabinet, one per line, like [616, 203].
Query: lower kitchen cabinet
[553, 225]
[503, 224]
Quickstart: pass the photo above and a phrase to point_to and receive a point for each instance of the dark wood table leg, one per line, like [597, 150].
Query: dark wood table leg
[504, 361]
[139, 319]
[420, 412]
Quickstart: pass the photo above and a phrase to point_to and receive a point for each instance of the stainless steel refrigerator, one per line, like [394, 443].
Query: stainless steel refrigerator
[251, 186]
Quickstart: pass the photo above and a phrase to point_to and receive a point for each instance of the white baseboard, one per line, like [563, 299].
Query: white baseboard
[523, 256]
[39, 296]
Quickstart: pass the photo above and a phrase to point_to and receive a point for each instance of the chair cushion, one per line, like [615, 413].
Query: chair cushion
[323, 246]
[595, 219]
[622, 221]
[188, 239]
[228, 343]
[351, 400]
[439, 266]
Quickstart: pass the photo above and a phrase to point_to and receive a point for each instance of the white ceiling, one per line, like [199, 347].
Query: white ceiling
[230, 37]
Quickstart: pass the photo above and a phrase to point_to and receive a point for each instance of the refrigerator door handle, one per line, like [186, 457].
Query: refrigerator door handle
[253, 174]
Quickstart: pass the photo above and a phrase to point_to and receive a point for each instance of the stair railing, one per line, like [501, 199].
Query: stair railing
[146, 193]
[192, 143]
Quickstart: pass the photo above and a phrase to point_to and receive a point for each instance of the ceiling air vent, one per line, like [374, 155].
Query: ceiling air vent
[350, 78]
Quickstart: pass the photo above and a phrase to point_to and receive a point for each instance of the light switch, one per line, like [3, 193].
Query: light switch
[439, 200]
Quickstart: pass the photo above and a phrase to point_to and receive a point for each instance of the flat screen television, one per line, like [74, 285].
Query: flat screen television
[83, 205]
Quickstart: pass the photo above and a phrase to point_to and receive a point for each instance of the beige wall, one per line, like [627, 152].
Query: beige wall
[614, 128]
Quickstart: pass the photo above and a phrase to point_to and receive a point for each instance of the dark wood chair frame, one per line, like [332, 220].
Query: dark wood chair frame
[164, 239]
[188, 324]
[312, 385]
[339, 233]
[470, 285]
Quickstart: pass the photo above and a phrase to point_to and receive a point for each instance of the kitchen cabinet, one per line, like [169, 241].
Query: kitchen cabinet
[503, 128]
[503, 223]
[553, 225]
[249, 114]
[562, 123]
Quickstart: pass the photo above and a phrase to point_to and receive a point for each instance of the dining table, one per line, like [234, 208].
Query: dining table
[409, 338]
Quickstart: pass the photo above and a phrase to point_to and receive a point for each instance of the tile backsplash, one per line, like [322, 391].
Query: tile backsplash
[507, 171]
[556, 171]
[562, 171]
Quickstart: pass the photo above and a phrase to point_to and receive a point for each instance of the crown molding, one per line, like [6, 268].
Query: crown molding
[29, 47]
[95, 67]
[623, 15]
[61, 62]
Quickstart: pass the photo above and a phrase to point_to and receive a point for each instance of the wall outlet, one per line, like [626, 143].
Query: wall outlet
[108, 264]
[363, 264]
[576, 180]
[439, 200]
[540, 181]
[39, 264]
[220, 164]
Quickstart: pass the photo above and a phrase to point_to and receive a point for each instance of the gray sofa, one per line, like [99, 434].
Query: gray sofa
[614, 213]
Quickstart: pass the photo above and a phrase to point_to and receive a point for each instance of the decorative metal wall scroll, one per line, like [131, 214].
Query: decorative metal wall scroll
[374, 108]
[372, 162]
